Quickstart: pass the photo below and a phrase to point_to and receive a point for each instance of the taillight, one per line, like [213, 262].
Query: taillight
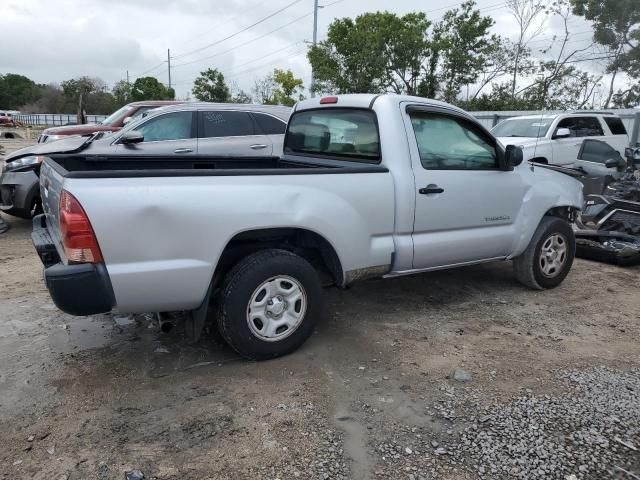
[326, 100]
[79, 241]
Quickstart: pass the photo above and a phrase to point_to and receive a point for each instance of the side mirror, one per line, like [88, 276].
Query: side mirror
[131, 137]
[562, 133]
[126, 120]
[632, 154]
[512, 156]
[612, 163]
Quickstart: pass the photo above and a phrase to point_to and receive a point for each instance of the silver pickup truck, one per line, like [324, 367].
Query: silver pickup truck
[368, 186]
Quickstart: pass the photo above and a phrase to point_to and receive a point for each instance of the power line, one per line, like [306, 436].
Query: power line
[292, 55]
[150, 70]
[262, 20]
[243, 44]
[262, 57]
[268, 54]
[209, 57]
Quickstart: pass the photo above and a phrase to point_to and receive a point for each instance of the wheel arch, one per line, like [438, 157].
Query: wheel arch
[567, 212]
[306, 243]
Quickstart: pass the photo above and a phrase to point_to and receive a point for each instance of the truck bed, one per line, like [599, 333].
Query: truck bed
[120, 166]
[162, 224]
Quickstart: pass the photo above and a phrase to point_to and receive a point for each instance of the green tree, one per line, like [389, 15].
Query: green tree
[149, 88]
[122, 92]
[616, 25]
[263, 89]
[17, 90]
[499, 98]
[464, 44]
[101, 103]
[288, 88]
[374, 53]
[79, 89]
[241, 97]
[210, 86]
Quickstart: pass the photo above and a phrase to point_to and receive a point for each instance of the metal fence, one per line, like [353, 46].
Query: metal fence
[54, 119]
[630, 117]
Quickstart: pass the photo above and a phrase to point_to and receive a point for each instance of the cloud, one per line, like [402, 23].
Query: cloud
[53, 41]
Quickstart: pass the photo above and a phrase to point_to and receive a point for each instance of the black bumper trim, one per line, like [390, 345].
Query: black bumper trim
[83, 289]
[43, 243]
[76, 289]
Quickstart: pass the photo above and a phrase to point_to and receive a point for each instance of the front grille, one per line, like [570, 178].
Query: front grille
[623, 221]
[622, 216]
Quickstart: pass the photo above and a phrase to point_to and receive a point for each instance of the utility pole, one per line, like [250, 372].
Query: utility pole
[315, 40]
[128, 77]
[169, 65]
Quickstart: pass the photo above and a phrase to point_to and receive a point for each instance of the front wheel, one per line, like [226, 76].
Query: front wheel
[548, 258]
[269, 304]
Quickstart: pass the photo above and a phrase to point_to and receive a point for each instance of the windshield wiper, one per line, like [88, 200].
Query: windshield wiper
[88, 141]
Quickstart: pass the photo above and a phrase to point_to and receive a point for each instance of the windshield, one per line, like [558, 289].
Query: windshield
[116, 115]
[522, 127]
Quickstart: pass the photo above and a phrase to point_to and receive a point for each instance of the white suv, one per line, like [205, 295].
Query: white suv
[556, 139]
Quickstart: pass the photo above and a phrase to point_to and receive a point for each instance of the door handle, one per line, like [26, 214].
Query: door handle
[183, 150]
[431, 189]
[258, 146]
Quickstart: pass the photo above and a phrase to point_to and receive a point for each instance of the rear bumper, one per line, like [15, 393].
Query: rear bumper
[82, 289]
[17, 192]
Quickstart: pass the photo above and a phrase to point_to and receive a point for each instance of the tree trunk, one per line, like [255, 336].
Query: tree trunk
[613, 79]
[82, 114]
[515, 73]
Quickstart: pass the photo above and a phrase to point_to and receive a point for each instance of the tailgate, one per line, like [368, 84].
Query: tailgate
[50, 188]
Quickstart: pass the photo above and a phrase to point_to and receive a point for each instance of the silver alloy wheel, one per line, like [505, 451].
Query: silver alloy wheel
[553, 255]
[276, 308]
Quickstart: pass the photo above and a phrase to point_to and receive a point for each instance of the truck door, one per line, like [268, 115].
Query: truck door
[465, 205]
[593, 158]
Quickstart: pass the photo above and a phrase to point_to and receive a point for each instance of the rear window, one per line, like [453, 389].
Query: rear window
[270, 125]
[335, 132]
[226, 123]
[615, 125]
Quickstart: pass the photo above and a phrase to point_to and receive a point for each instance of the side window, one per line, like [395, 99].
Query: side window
[171, 126]
[450, 143]
[597, 151]
[582, 126]
[269, 125]
[590, 127]
[226, 124]
[140, 113]
[615, 125]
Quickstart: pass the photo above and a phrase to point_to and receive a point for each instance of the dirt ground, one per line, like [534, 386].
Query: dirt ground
[84, 398]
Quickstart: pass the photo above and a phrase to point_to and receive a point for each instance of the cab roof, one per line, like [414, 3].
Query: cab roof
[369, 100]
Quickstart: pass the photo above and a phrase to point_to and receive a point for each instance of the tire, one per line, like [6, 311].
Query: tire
[262, 291]
[539, 271]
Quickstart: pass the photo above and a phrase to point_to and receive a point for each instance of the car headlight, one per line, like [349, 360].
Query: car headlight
[23, 162]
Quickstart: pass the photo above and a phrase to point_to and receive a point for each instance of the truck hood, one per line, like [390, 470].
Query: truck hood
[523, 142]
[85, 129]
[64, 145]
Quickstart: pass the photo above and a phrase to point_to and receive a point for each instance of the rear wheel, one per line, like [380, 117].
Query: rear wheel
[548, 258]
[269, 304]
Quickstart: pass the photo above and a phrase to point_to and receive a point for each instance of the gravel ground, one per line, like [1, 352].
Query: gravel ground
[452, 375]
[590, 431]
